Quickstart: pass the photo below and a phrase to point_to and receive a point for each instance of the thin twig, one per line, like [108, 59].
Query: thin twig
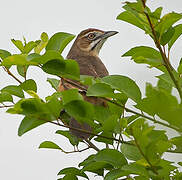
[84, 89]
[164, 57]
[6, 106]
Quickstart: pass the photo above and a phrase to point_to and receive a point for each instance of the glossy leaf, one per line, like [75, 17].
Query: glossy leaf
[29, 84]
[73, 139]
[70, 95]
[131, 152]
[167, 21]
[29, 46]
[161, 84]
[4, 54]
[42, 44]
[135, 168]
[96, 167]
[100, 89]
[131, 19]
[59, 41]
[115, 174]
[157, 102]
[54, 82]
[49, 145]
[28, 123]
[47, 56]
[22, 70]
[111, 156]
[177, 34]
[17, 60]
[80, 110]
[18, 44]
[146, 55]
[5, 97]
[125, 85]
[65, 68]
[14, 90]
[74, 171]
[167, 36]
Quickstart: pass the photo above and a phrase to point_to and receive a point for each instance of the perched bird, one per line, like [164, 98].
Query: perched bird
[85, 50]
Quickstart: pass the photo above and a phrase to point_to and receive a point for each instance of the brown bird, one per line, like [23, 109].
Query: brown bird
[85, 50]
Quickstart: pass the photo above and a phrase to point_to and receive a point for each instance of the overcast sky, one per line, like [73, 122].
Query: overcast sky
[20, 157]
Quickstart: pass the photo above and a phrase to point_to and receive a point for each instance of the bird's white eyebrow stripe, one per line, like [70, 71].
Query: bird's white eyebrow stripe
[89, 33]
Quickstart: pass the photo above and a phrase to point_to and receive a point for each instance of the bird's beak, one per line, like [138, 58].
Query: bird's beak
[108, 34]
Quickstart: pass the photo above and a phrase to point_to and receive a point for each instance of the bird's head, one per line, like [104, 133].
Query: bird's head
[91, 40]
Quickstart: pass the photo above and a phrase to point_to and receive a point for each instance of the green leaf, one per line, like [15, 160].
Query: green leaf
[49, 145]
[134, 168]
[161, 84]
[167, 21]
[96, 167]
[115, 174]
[70, 95]
[131, 152]
[18, 44]
[5, 97]
[65, 68]
[54, 83]
[17, 60]
[72, 70]
[177, 142]
[111, 156]
[177, 34]
[55, 67]
[42, 44]
[146, 55]
[131, 19]
[100, 89]
[125, 85]
[29, 46]
[59, 41]
[74, 171]
[163, 104]
[73, 139]
[44, 37]
[47, 56]
[22, 70]
[180, 67]
[29, 84]
[80, 110]
[104, 140]
[54, 106]
[166, 77]
[166, 37]
[4, 54]
[111, 123]
[29, 123]
[14, 90]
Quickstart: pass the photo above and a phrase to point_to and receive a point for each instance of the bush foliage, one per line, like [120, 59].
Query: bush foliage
[134, 147]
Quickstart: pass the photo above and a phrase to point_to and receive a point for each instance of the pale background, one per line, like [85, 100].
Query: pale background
[20, 157]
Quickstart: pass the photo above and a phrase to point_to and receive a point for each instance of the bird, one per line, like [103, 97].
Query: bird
[85, 51]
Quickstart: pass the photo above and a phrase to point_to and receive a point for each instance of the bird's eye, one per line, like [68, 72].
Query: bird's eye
[91, 36]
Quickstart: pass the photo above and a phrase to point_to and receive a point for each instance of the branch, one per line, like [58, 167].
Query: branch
[12, 75]
[85, 131]
[164, 57]
[6, 106]
[122, 106]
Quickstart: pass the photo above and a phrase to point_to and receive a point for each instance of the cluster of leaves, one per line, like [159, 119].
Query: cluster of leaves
[137, 147]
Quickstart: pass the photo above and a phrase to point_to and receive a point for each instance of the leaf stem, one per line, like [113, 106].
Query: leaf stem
[84, 89]
[164, 57]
